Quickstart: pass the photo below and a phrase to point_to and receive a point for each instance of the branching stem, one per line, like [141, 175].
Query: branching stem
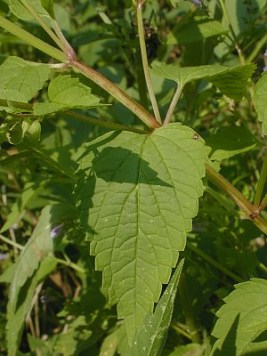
[106, 124]
[247, 208]
[117, 93]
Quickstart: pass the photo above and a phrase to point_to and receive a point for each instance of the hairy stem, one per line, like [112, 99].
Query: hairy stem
[173, 104]
[141, 35]
[70, 59]
[65, 44]
[247, 208]
[106, 124]
[117, 93]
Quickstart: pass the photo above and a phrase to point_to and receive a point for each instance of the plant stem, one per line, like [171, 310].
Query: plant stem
[43, 25]
[173, 104]
[237, 45]
[214, 263]
[71, 265]
[32, 40]
[262, 267]
[247, 208]
[90, 73]
[37, 151]
[10, 242]
[116, 92]
[261, 183]
[257, 49]
[263, 203]
[181, 329]
[63, 262]
[65, 44]
[106, 124]
[141, 35]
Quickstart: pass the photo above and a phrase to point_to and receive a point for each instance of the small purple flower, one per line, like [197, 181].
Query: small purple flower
[265, 69]
[55, 232]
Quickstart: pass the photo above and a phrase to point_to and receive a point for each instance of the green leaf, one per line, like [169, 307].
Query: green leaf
[22, 77]
[197, 29]
[15, 134]
[65, 92]
[48, 5]
[8, 274]
[23, 10]
[230, 141]
[25, 279]
[142, 192]
[11, 95]
[260, 101]
[242, 14]
[16, 319]
[39, 245]
[230, 80]
[149, 340]
[32, 130]
[242, 320]
[29, 193]
[110, 343]
[188, 350]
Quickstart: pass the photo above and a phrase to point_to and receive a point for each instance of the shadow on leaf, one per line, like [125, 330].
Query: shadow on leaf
[229, 344]
[115, 164]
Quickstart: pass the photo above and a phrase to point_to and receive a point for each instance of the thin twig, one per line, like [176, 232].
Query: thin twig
[141, 36]
[261, 183]
[173, 104]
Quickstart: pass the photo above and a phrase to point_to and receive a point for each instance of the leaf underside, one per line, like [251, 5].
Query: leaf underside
[260, 101]
[242, 320]
[141, 192]
[149, 340]
[25, 278]
[65, 92]
[21, 80]
[231, 81]
[22, 12]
